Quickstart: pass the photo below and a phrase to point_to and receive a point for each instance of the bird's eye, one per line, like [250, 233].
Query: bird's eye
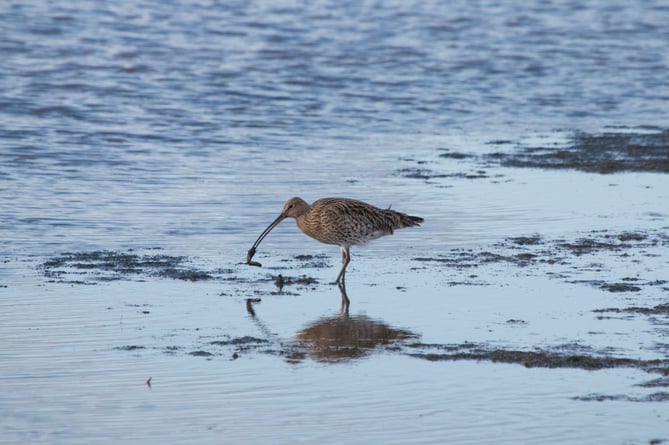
[291, 206]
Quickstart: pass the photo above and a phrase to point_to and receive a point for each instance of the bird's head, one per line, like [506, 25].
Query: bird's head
[294, 207]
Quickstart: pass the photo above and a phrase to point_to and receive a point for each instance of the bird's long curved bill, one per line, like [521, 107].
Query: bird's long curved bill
[252, 250]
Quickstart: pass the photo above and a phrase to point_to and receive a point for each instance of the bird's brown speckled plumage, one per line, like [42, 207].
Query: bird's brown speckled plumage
[340, 221]
[347, 222]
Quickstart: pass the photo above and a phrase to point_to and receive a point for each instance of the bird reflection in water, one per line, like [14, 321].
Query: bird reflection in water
[345, 337]
[341, 338]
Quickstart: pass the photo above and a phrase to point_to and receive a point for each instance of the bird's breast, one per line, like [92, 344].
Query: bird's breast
[340, 232]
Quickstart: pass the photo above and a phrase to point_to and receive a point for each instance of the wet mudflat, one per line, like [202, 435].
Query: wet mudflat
[344, 336]
[573, 314]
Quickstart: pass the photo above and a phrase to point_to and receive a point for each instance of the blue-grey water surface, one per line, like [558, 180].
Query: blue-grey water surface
[184, 125]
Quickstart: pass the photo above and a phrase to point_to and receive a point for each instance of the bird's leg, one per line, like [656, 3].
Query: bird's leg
[345, 302]
[341, 281]
[345, 259]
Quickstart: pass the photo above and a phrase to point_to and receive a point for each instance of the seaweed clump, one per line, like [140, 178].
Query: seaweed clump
[107, 265]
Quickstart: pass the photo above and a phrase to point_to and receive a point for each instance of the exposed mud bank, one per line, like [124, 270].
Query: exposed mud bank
[578, 260]
[605, 153]
[597, 153]
[106, 265]
[555, 256]
[574, 356]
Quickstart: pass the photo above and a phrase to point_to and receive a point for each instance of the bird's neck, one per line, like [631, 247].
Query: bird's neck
[302, 222]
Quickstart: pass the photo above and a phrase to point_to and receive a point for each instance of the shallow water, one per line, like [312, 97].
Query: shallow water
[178, 129]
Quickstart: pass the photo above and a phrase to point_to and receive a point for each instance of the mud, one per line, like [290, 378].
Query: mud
[563, 356]
[522, 251]
[313, 261]
[620, 287]
[597, 153]
[532, 251]
[333, 339]
[660, 309]
[655, 397]
[607, 241]
[129, 348]
[245, 342]
[106, 265]
[344, 338]
[427, 174]
[303, 280]
[604, 153]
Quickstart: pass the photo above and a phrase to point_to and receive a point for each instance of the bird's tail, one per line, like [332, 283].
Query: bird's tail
[416, 220]
[407, 221]
[391, 220]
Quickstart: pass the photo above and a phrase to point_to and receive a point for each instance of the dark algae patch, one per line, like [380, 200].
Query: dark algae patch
[655, 397]
[557, 357]
[456, 155]
[427, 174]
[341, 339]
[643, 150]
[588, 245]
[200, 353]
[535, 250]
[241, 342]
[129, 348]
[620, 287]
[463, 259]
[660, 309]
[107, 265]
[313, 261]
[303, 280]
[591, 259]
[183, 274]
[531, 359]
[598, 153]
[631, 236]
[531, 240]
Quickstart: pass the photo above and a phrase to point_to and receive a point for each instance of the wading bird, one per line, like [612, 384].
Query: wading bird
[339, 221]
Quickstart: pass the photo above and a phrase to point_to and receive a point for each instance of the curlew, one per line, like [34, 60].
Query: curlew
[339, 221]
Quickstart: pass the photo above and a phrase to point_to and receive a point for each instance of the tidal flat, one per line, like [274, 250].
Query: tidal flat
[570, 315]
[144, 148]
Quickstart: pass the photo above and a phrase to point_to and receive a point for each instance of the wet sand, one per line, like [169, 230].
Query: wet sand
[343, 337]
[348, 337]
[586, 306]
